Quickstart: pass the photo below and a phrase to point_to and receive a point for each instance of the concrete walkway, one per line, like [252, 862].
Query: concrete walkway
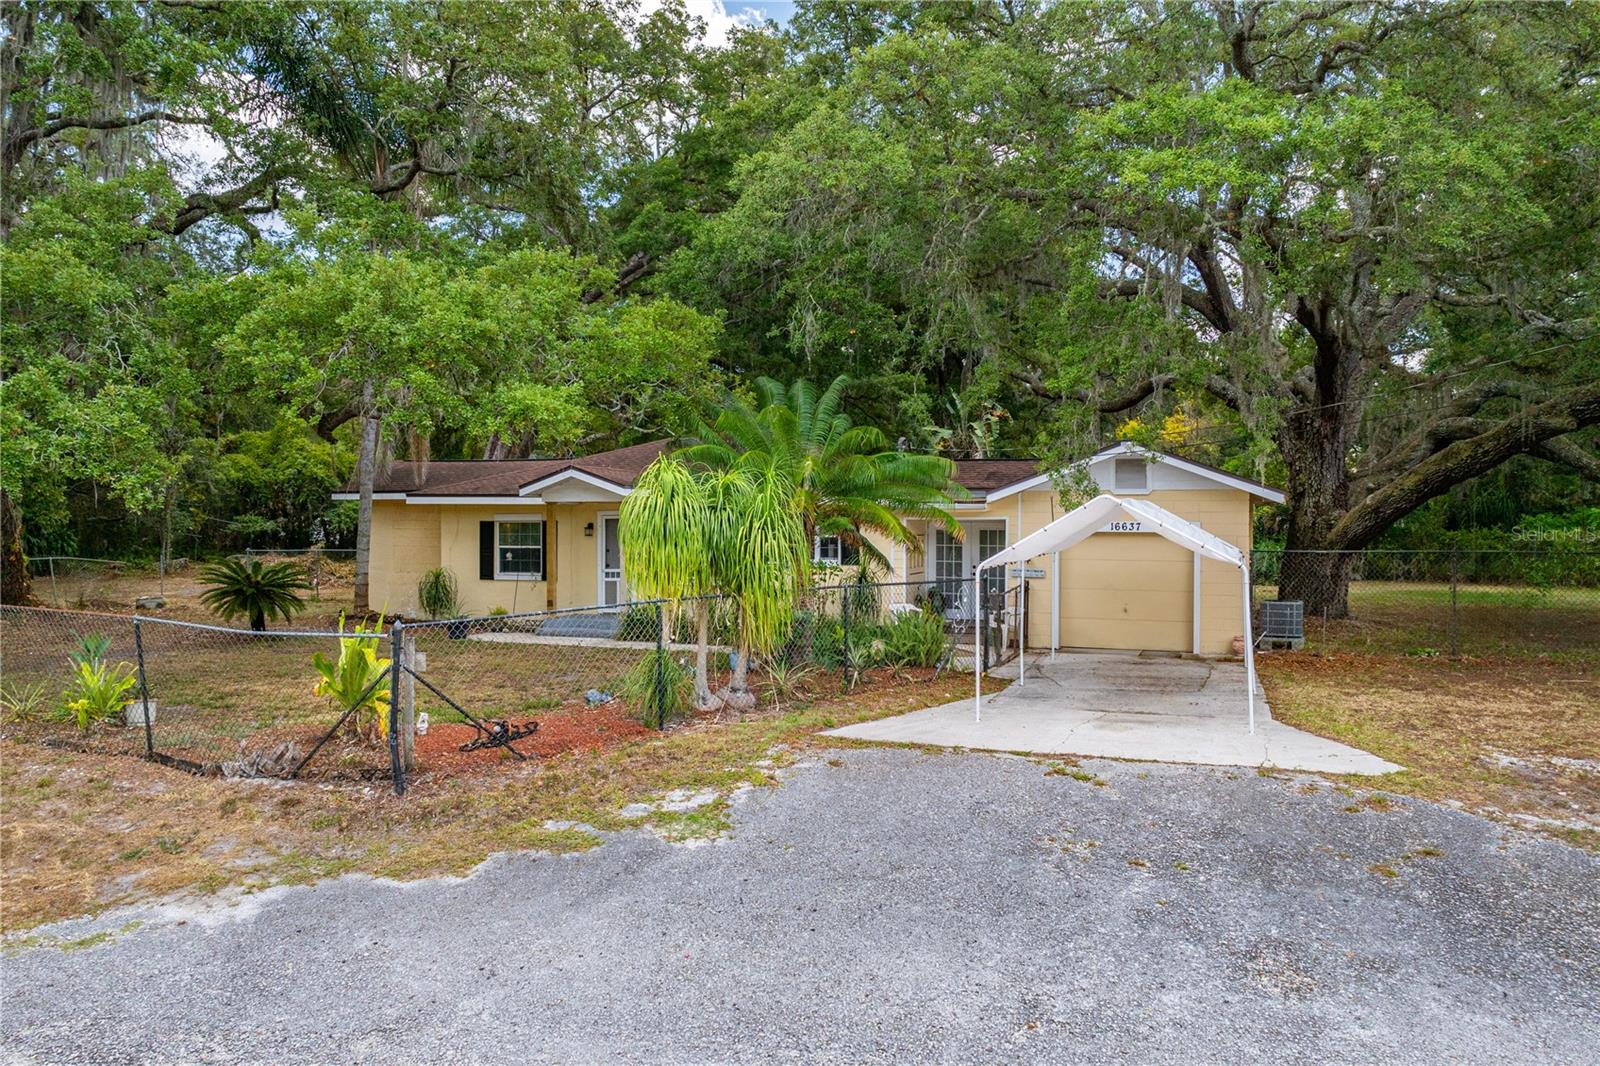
[1125, 706]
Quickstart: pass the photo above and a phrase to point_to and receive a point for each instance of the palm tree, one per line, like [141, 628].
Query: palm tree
[735, 531]
[760, 555]
[665, 528]
[257, 591]
[847, 479]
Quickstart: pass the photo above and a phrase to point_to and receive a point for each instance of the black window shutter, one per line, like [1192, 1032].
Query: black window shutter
[486, 550]
[544, 551]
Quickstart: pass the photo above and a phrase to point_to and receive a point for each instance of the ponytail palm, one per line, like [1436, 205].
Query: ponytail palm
[666, 530]
[760, 555]
[846, 479]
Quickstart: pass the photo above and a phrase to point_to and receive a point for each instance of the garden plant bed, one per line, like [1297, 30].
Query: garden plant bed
[573, 728]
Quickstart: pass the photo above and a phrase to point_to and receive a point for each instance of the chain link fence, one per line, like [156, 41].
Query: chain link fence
[1446, 602]
[74, 581]
[214, 700]
[451, 694]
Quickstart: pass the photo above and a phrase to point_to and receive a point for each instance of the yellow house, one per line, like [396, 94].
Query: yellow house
[1120, 588]
[518, 534]
[536, 534]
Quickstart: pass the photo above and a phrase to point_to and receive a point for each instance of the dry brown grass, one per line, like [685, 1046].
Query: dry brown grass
[82, 832]
[1453, 723]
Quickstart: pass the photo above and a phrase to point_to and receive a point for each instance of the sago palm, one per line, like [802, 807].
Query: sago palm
[847, 479]
[254, 590]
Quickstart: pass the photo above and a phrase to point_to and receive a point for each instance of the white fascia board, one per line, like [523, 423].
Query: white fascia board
[1128, 448]
[340, 496]
[1035, 482]
[574, 475]
[520, 501]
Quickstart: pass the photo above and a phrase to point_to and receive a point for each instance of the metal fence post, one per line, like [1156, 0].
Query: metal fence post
[844, 636]
[144, 688]
[1455, 611]
[397, 761]
[661, 667]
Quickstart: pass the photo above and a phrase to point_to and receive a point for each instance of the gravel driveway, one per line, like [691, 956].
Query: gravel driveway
[897, 906]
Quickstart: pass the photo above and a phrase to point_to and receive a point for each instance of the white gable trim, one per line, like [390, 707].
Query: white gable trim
[479, 501]
[574, 475]
[1127, 449]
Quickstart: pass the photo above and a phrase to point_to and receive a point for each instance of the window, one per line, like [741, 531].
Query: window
[1131, 475]
[833, 552]
[519, 550]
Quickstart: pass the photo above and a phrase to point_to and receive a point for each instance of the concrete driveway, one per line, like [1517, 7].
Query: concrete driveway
[1125, 706]
[895, 907]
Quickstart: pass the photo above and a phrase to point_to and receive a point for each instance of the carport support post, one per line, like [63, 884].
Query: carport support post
[1249, 647]
[980, 649]
[1022, 627]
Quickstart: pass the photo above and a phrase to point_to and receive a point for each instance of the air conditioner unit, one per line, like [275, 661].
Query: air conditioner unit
[1283, 622]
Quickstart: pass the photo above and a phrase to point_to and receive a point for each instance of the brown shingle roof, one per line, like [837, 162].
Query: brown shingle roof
[505, 477]
[622, 466]
[985, 475]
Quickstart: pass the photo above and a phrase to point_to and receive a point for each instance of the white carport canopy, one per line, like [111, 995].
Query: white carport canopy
[1091, 518]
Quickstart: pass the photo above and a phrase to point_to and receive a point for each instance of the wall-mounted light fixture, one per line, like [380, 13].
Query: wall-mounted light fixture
[588, 529]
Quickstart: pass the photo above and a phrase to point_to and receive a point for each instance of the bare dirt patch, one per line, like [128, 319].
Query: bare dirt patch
[84, 831]
[1515, 737]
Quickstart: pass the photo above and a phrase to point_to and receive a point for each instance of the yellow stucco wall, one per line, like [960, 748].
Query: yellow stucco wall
[410, 539]
[1118, 590]
[405, 544]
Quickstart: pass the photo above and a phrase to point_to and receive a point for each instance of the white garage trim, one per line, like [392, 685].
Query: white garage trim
[1085, 521]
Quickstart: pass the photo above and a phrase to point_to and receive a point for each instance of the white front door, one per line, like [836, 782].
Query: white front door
[613, 588]
[955, 564]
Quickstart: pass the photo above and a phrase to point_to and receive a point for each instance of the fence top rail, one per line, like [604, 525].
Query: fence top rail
[597, 608]
[77, 559]
[1426, 551]
[151, 620]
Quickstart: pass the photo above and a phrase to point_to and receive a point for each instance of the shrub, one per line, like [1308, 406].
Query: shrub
[255, 590]
[21, 703]
[786, 679]
[344, 682]
[914, 639]
[438, 593]
[97, 692]
[659, 688]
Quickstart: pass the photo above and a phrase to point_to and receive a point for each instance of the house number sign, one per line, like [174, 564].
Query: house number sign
[1122, 527]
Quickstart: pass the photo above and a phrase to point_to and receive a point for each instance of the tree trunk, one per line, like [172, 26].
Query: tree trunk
[1316, 444]
[366, 471]
[14, 584]
[703, 699]
[737, 695]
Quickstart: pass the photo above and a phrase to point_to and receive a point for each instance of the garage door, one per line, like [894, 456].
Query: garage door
[1128, 591]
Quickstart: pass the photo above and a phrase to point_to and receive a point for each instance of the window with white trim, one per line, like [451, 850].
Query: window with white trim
[834, 552]
[1130, 475]
[519, 550]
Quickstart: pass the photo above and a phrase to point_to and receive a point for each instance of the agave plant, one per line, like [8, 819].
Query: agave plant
[255, 590]
[346, 682]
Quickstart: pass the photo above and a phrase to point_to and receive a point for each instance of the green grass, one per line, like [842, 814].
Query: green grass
[1414, 618]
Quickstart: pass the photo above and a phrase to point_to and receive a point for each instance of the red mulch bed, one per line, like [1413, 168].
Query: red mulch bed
[577, 729]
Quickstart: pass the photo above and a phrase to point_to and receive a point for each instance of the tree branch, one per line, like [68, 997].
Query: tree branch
[1569, 453]
[1519, 434]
